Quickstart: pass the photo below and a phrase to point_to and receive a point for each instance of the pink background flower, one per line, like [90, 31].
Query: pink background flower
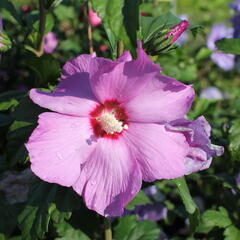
[94, 19]
[50, 42]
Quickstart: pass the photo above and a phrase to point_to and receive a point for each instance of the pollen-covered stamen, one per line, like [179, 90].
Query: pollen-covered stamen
[110, 124]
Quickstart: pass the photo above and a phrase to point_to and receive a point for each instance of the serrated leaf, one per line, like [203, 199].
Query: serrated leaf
[140, 199]
[229, 45]
[213, 218]
[35, 217]
[129, 228]
[46, 201]
[231, 233]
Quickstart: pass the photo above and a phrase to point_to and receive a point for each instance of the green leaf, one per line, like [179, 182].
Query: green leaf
[201, 106]
[129, 229]
[120, 20]
[64, 12]
[46, 201]
[124, 227]
[234, 139]
[140, 199]
[111, 13]
[231, 233]
[10, 99]
[35, 217]
[46, 68]
[9, 12]
[229, 45]
[203, 53]
[213, 218]
[188, 202]
[67, 232]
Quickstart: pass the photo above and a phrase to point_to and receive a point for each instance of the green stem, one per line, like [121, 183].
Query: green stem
[90, 39]
[107, 229]
[42, 24]
[120, 48]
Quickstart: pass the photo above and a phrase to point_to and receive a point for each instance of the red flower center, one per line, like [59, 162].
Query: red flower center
[108, 119]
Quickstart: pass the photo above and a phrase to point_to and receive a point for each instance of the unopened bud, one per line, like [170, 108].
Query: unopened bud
[177, 30]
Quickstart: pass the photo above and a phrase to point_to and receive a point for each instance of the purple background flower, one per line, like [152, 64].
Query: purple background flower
[235, 5]
[211, 93]
[223, 60]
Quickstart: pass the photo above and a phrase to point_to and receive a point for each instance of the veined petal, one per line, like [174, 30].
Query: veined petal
[58, 146]
[110, 178]
[160, 153]
[73, 95]
[163, 99]
[123, 79]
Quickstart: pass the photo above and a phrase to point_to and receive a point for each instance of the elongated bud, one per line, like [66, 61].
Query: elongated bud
[177, 30]
[162, 41]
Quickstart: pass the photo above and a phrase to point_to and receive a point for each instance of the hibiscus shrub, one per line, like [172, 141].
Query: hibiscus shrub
[119, 120]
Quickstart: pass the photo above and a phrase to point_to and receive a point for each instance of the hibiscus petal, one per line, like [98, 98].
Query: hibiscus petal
[160, 153]
[123, 79]
[197, 134]
[73, 95]
[58, 146]
[163, 99]
[109, 178]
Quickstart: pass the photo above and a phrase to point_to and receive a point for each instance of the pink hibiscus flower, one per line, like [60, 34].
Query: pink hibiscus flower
[115, 124]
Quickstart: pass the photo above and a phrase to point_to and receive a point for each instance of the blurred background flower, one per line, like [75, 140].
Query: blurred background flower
[50, 42]
[94, 19]
[223, 60]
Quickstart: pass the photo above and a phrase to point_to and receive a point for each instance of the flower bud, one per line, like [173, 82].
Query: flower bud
[94, 19]
[177, 30]
[163, 40]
